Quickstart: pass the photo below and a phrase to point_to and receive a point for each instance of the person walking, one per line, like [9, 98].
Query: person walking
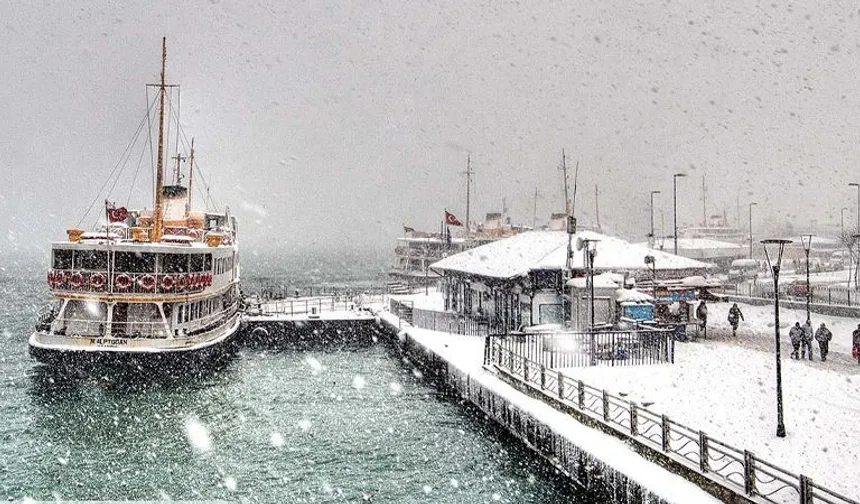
[855, 339]
[702, 315]
[795, 334]
[734, 314]
[806, 341]
[823, 336]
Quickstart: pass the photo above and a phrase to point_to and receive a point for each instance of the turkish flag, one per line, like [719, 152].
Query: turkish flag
[451, 220]
[117, 214]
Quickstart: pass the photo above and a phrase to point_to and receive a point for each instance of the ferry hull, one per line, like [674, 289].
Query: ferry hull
[166, 360]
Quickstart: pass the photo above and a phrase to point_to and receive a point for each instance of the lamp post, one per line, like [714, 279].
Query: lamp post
[651, 234]
[806, 243]
[752, 204]
[842, 223]
[856, 230]
[590, 248]
[779, 244]
[675, 204]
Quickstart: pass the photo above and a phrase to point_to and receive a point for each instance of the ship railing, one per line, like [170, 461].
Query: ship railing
[135, 330]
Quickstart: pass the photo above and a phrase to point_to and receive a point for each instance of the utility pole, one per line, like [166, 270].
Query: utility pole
[468, 194]
[534, 212]
[597, 206]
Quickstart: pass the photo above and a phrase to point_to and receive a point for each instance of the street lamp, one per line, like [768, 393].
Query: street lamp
[675, 204]
[651, 234]
[779, 244]
[806, 243]
[751, 242]
[842, 223]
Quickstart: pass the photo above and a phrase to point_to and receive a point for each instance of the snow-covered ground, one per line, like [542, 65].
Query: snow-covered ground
[726, 386]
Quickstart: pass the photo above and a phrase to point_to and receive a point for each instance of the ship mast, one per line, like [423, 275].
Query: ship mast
[158, 224]
[468, 194]
[190, 177]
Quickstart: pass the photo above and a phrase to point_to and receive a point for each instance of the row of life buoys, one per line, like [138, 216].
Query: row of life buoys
[77, 279]
[124, 281]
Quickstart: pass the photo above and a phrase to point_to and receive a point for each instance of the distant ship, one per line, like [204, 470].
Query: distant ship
[148, 287]
[417, 250]
[717, 228]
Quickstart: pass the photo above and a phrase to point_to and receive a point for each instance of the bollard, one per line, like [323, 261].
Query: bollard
[749, 472]
[634, 420]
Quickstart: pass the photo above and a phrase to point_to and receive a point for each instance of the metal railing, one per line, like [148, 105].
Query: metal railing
[449, 322]
[601, 348]
[837, 296]
[257, 306]
[737, 469]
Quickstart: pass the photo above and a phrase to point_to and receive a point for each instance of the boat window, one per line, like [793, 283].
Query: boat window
[174, 263]
[91, 259]
[134, 262]
[62, 259]
[207, 262]
[197, 262]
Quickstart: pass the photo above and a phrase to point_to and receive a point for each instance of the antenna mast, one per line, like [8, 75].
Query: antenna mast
[597, 205]
[566, 197]
[534, 213]
[157, 225]
[704, 208]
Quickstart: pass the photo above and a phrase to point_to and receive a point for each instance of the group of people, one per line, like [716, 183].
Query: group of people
[801, 337]
[801, 340]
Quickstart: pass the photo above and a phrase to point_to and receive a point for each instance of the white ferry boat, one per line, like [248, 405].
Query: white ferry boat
[148, 287]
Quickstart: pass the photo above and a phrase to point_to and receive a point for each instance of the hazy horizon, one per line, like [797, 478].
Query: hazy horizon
[333, 125]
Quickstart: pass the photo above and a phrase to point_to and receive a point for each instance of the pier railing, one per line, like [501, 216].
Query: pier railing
[259, 306]
[434, 320]
[600, 348]
[733, 467]
[836, 296]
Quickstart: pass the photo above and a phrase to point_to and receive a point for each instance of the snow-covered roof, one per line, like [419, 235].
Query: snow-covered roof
[517, 255]
[631, 296]
[602, 281]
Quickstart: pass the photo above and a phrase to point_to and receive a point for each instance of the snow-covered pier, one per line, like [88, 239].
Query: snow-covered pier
[609, 469]
[715, 399]
[308, 321]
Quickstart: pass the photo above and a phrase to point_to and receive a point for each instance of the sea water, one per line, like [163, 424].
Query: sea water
[327, 425]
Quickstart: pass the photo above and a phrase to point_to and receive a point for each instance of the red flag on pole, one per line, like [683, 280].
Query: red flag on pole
[451, 220]
[117, 214]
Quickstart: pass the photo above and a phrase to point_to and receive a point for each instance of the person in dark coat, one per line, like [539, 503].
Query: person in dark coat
[702, 315]
[855, 339]
[795, 334]
[806, 341]
[734, 315]
[823, 336]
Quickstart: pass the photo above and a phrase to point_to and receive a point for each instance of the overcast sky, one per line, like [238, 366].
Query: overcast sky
[338, 122]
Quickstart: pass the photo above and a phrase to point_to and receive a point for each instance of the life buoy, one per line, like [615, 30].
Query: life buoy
[167, 283]
[59, 279]
[122, 282]
[181, 282]
[76, 280]
[147, 283]
[98, 280]
[194, 281]
[52, 279]
[207, 279]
